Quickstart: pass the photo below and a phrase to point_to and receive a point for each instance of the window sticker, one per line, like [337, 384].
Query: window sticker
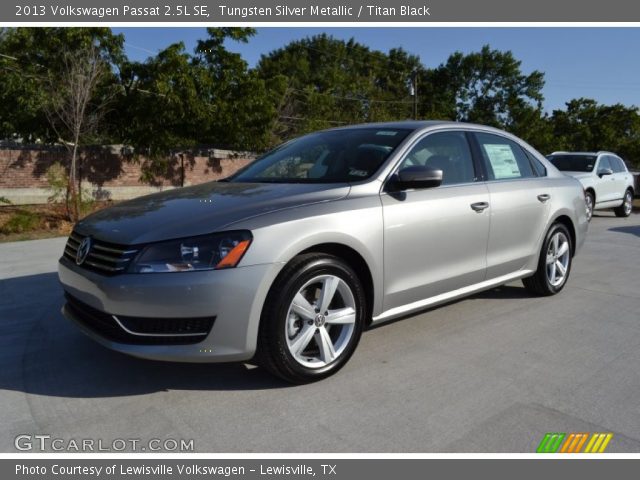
[502, 160]
[358, 173]
[387, 133]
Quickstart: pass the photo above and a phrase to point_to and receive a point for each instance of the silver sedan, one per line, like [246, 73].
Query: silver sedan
[288, 260]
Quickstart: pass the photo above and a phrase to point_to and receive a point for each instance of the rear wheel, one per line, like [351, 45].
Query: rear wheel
[624, 210]
[312, 320]
[590, 202]
[554, 265]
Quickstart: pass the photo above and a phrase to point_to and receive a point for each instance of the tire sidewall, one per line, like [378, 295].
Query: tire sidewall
[325, 265]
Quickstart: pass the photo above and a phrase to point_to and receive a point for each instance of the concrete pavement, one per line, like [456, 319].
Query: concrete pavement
[491, 373]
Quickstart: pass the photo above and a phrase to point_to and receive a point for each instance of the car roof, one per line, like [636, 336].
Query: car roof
[601, 152]
[414, 125]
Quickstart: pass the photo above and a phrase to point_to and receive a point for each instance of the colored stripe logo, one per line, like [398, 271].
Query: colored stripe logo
[574, 442]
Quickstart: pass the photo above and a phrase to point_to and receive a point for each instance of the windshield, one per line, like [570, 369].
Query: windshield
[573, 163]
[335, 156]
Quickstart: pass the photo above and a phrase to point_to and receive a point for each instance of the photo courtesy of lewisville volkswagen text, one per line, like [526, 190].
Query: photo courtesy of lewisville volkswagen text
[250, 239]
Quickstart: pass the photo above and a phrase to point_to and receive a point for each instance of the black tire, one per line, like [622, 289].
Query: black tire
[626, 208]
[540, 283]
[273, 352]
[590, 200]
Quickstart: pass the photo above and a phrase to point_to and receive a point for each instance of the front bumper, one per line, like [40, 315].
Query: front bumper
[233, 296]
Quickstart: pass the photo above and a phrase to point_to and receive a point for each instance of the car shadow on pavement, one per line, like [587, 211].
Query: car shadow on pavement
[42, 353]
[505, 292]
[632, 229]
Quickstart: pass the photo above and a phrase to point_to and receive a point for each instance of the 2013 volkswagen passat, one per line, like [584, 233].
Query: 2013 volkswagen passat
[289, 259]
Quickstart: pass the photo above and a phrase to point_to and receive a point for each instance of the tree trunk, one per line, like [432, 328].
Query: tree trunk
[72, 183]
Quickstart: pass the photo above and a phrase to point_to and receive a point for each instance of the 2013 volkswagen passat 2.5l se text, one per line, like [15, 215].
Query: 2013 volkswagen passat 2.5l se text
[287, 261]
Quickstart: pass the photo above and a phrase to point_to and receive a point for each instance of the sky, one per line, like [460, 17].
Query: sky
[599, 63]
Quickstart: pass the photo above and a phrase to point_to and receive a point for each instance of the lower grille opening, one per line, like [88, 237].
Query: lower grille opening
[140, 330]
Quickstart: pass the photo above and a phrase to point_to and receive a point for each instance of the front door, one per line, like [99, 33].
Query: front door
[435, 239]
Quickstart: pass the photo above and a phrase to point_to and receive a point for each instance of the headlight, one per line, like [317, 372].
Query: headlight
[206, 252]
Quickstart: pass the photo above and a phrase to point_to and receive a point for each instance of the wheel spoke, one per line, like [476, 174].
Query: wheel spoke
[560, 267]
[303, 339]
[327, 352]
[563, 249]
[341, 316]
[552, 273]
[329, 286]
[302, 307]
[555, 244]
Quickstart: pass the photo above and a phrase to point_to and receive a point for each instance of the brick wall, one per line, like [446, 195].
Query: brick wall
[107, 172]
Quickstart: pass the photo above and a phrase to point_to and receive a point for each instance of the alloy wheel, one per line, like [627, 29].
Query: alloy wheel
[320, 321]
[558, 259]
[628, 203]
[589, 202]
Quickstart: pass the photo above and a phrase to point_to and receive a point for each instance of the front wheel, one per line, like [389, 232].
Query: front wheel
[312, 320]
[554, 265]
[624, 210]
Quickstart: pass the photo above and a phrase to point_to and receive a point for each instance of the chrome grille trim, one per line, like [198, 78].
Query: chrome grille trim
[139, 334]
[117, 251]
[103, 257]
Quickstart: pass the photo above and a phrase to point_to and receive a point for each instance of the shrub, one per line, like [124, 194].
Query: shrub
[20, 222]
[58, 181]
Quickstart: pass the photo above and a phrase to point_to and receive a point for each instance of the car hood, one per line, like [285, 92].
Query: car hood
[199, 210]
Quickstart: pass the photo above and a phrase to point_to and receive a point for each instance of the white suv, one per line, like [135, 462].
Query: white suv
[604, 175]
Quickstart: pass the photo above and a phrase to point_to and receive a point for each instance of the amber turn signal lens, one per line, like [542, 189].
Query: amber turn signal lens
[234, 256]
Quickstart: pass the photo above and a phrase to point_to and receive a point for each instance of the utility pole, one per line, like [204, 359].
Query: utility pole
[414, 92]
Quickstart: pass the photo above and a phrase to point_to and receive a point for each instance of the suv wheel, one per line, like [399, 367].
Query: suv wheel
[590, 202]
[312, 320]
[554, 265]
[625, 209]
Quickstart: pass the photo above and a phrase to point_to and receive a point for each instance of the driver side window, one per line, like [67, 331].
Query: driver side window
[446, 151]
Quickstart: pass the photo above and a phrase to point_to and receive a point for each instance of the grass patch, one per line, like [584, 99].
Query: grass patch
[20, 222]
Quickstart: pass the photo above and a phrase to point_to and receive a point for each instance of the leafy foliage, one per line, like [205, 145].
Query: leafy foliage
[178, 100]
[321, 82]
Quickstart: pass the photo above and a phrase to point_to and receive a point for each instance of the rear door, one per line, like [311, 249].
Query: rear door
[620, 176]
[434, 240]
[519, 196]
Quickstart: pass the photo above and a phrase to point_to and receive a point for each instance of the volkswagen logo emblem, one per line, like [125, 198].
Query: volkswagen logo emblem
[83, 250]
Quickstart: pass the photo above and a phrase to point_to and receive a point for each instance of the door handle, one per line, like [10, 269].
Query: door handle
[479, 206]
[543, 197]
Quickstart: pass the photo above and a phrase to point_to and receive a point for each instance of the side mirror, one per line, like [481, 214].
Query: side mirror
[604, 171]
[417, 176]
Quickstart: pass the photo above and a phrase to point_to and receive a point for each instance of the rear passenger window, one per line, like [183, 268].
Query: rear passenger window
[503, 158]
[538, 168]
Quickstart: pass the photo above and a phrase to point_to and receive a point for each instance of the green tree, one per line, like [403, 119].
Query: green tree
[176, 100]
[486, 87]
[321, 81]
[586, 125]
[28, 56]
